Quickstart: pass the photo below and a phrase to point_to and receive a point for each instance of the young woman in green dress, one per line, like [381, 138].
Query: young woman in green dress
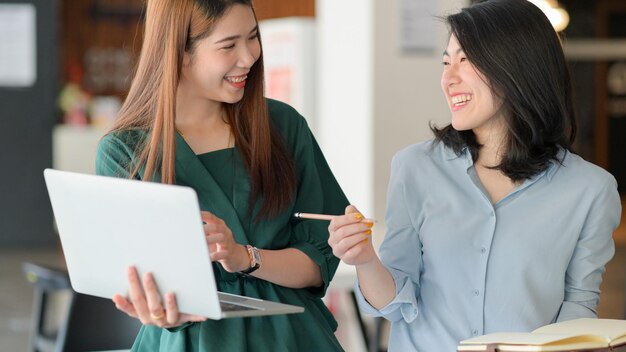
[195, 115]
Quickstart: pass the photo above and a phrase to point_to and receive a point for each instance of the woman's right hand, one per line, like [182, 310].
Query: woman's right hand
[146, 303]
[350, 237]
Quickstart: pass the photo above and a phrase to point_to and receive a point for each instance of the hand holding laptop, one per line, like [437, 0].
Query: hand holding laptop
[151, 220]
[146, 303]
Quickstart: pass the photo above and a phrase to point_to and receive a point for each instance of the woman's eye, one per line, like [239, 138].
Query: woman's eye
[229, 47]
[446, 63]
[253, 37]
[463, 59]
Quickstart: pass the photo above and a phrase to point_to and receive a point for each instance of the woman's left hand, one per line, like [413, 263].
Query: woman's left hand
[145, 303]
[222, 246]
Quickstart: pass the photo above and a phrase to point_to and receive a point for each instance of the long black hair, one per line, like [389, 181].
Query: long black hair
[513, 44]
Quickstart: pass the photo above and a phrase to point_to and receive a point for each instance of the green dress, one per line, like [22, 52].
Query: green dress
[223, 187]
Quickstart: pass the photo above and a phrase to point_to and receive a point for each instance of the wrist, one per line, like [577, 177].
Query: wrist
[368, 265]
[254, 260]
[244, 258]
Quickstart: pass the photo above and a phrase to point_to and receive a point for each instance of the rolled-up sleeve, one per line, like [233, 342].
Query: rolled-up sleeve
[318, 192]
[400, 252]
[310, 240]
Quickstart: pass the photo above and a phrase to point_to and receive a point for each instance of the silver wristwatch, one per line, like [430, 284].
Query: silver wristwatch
[255, 259]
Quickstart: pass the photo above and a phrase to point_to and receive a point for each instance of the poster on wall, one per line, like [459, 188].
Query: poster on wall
[417, 24]
[289, 60]
[18, 64]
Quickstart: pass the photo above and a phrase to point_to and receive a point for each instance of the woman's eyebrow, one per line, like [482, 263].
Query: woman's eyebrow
[445, 52]
[233, 37]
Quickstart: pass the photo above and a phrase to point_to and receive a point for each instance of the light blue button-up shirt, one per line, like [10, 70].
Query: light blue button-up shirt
[465, 267]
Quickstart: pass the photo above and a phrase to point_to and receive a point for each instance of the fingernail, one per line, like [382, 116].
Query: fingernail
[365, 240]
[358, 216]
[369, 224]
[368, 232]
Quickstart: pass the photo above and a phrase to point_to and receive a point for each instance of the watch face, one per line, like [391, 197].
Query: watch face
[256, 257]
[255, 260]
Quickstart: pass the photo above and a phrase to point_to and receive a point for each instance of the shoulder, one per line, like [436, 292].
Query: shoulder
[116, 152]
[120, 141]
[286, 120]
[423, 153]
[283, 114]
[575, 169]
[421, 149]
[576, 165]
[278, 108]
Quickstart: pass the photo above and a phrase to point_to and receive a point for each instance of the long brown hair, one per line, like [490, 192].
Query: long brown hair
[172, 27]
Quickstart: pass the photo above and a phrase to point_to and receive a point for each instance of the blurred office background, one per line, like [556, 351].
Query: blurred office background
[365, 74]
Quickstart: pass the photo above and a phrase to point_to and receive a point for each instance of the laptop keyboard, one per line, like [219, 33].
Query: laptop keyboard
[229, 307]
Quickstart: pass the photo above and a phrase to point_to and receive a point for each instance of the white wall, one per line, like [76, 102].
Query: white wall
[407, 93]
[373, 100]
[345, 94]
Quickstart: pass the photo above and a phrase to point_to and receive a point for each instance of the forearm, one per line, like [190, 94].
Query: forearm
[289, 267]
[376, 283]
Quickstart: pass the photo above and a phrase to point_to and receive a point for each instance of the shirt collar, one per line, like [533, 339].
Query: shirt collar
[450, 154]
[552, 168]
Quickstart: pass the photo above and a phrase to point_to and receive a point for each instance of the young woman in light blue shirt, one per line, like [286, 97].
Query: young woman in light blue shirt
[495, 224]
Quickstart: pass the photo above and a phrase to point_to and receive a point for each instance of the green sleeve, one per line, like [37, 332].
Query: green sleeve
[114, 155]
[113, 158]
[318, 192]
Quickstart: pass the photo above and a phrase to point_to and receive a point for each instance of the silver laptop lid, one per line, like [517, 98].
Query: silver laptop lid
[107, 224]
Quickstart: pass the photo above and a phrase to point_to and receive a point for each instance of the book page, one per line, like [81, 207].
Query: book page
[611, 329]
[527, 338]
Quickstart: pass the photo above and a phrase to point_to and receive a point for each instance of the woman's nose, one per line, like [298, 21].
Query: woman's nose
[450, 75]
[247, 58]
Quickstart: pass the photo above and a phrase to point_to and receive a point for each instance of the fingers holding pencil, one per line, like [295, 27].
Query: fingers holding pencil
[349, 237]
[353, 212]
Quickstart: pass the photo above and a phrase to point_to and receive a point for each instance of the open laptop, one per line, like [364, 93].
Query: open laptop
[107, 224]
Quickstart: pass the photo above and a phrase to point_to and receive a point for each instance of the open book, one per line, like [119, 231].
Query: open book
[585, 334]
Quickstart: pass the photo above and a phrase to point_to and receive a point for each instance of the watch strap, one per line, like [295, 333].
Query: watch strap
[255, 260]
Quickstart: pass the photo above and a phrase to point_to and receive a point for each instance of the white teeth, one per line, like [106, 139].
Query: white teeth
[461, 98]
[236, 79]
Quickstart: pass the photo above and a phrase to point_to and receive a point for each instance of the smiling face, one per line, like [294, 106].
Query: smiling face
[218, 65]
[471, 100]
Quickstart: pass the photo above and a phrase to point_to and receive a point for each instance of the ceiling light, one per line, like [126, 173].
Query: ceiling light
[558, 16]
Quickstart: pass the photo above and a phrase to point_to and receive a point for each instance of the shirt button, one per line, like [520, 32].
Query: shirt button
[476, 292]
[483, 250]
[492, 214]
[474, 332]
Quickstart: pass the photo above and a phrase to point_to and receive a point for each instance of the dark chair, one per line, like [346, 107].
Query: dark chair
[87, 324]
